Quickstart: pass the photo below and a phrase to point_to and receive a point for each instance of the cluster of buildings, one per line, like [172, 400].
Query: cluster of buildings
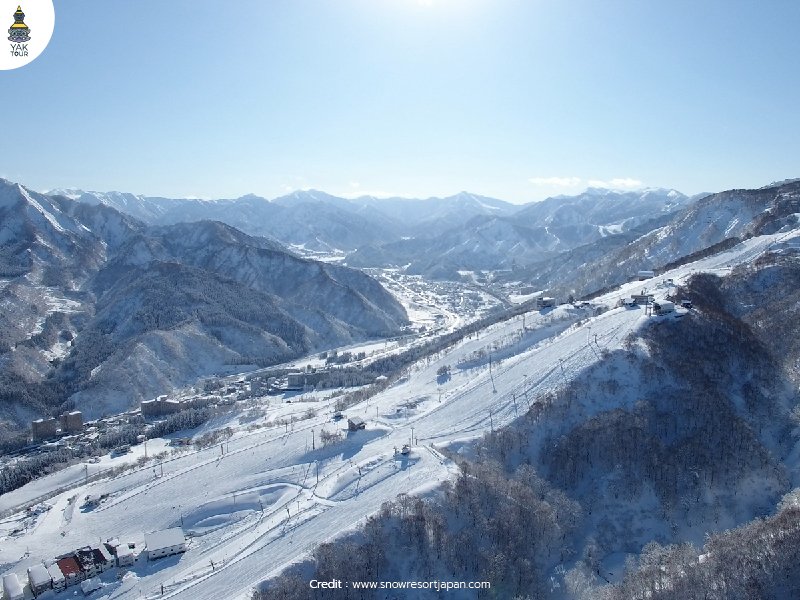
[216, 392]
[163, 405]
[660, 307]
[83, 565]
[71, 569]
[69, 422]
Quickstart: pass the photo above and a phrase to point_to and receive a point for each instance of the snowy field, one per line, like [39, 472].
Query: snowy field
[265, 499]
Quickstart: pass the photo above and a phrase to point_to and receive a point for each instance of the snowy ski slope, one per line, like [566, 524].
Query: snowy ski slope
[270, 498]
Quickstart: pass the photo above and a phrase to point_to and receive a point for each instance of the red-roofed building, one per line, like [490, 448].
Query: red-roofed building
[71, 570]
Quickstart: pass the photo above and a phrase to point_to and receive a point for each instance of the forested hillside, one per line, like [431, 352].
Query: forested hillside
[610, 487]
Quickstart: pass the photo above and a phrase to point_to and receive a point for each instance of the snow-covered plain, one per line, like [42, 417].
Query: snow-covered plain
[275, 493]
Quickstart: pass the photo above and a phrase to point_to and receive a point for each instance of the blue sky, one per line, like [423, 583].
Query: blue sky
[516, 99]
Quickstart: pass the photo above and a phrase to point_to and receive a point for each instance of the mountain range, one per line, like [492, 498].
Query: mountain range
[535, 232]
[715, 221]
[437, 237]
[101, 310]
[111, 298]
[309, 220]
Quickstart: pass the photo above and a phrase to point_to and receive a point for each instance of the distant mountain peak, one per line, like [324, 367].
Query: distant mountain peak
[780, 183]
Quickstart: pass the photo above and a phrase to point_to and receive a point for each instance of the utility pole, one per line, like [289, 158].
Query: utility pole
[494, 389]
[412, 436]
[491, 421]
[313, 442]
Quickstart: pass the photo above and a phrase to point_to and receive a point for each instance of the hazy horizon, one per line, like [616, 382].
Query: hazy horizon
[360, 196]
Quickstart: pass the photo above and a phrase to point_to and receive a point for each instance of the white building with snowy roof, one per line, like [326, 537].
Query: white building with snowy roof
[57, 577]
[12, 588]
[39, 579]
[164, 543]
[125, 557]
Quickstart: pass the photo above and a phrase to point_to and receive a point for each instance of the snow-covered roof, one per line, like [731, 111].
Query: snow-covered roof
[123, 550]
[106, 555]
[12, 586]
[55, 572]
[356, 420]
[38, 575]
[164, 539]
[91, 585]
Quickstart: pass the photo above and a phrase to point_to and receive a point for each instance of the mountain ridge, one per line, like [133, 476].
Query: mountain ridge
[68, 265]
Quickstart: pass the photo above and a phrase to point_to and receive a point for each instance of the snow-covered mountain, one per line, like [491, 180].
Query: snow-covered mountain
[567, 219]
[605, 430]
[433, 216]
[721, 218]
[538, 231]
[309, 219]
[102, 309]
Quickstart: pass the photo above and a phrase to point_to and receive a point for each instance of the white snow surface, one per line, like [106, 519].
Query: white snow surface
[258, 507]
